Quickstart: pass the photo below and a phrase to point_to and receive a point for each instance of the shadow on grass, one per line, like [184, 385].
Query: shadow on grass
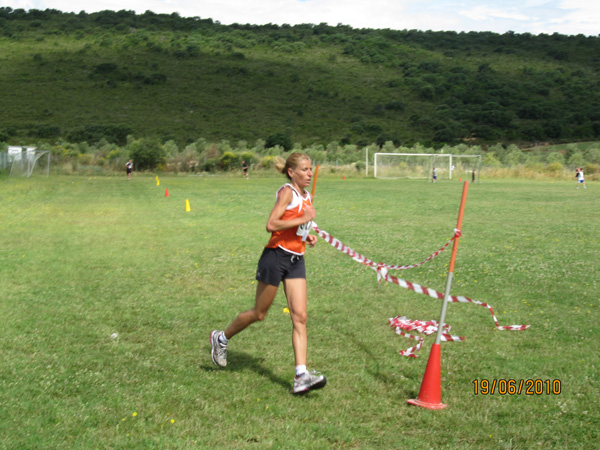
[240, 361]
[374, 369]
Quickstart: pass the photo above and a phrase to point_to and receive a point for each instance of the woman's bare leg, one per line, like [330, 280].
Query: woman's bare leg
[265, 294]
[295, 291]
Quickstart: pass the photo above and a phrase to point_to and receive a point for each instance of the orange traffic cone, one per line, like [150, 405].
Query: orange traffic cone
[167, 192]
[430, 395]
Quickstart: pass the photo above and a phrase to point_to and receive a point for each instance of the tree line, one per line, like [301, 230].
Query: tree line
[438, 88]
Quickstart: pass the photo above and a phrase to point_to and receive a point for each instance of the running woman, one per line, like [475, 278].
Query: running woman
[283, 260]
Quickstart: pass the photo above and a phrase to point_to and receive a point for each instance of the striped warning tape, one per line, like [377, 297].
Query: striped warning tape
[382, 274]
[366, 261]
[403, 324]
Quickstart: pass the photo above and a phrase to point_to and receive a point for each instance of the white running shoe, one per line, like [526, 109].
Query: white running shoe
[219, 350]
[309, 381]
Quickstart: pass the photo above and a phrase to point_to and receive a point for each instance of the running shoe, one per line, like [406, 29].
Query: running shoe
[219, 350]
[309, 381]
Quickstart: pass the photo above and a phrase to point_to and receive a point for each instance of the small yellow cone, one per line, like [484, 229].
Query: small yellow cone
[286, 311]
[157, 181]
[187, 205]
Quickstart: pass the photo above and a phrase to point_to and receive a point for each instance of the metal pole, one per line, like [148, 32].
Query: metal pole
[438, 336]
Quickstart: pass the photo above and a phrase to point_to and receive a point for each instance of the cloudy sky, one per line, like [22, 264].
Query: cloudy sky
[520, 16]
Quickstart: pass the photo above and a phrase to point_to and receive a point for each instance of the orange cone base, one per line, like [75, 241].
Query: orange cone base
[430, 395]
[418, 402]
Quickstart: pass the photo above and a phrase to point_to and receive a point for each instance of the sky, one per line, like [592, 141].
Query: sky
[569, 17]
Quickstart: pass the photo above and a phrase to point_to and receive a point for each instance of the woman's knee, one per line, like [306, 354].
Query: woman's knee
[259, 315]
[299, 318]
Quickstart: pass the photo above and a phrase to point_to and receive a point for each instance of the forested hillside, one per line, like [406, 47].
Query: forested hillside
[83, 77]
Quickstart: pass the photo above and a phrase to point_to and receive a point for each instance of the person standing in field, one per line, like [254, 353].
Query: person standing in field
[245, 169]
[129, 168]
[580, 177]
[283, 260]
[434, 176]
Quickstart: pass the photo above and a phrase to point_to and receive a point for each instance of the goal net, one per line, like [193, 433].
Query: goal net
[24, 161]
[402, 165]
[421, 166]
[464, 167]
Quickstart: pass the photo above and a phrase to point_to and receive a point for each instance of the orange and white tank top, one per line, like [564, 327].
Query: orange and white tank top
[292, 240]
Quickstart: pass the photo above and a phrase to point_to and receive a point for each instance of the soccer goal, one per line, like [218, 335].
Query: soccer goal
[402, 165]
[24, 161]
[421, 166]
[463, 167]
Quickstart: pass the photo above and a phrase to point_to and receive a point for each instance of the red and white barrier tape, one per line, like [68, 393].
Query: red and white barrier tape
[366, 261]
[382, 274]
[403, 323]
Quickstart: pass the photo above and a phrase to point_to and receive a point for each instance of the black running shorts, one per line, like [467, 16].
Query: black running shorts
[276, 264]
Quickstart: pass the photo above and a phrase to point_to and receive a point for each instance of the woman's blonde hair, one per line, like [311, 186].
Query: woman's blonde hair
[282, 165]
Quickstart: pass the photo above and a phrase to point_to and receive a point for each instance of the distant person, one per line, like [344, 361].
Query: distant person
[282, 260]
[129, 168]
[434, 176]
[580, 177]
[245, 169]
[473, 177]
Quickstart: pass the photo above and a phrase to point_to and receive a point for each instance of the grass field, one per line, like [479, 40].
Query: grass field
[83, 258]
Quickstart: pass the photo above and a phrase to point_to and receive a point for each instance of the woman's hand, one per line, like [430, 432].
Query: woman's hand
[308, 213]
[311, 240]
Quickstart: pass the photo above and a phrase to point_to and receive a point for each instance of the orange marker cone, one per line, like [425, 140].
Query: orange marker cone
[430, 395]
[187, 205]
[167, 192]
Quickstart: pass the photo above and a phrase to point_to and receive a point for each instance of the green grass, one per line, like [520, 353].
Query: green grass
[85, 257]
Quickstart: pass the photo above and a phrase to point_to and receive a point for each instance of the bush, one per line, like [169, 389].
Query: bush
[229, 161]
[554, 167]
[590, 169]
[249, 157]
[576, 160]
[279, 139]
[555, 157]
[147, 154]
[267, 162]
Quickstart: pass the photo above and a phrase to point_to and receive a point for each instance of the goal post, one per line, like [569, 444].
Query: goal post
[23, 161]
[421, 166]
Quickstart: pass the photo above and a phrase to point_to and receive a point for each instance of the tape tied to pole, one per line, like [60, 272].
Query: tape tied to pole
[382, 271]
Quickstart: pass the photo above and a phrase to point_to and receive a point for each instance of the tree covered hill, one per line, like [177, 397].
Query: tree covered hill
[82, 77]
